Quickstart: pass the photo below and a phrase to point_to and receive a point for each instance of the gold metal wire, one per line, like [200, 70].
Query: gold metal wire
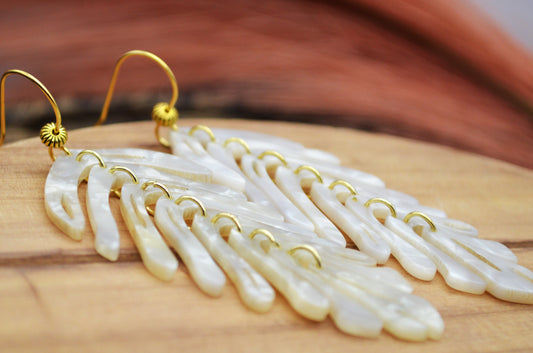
[274, 154]
[163, 141]
[239, 141]
[145, 54]
[164, 114]
[383, 201]
[92, 153]
[203, 128]
[52, 135]
[118, 168]
[229, 216]
[309, 249]
[423, 216]
[156, 184]
[312, 170]
[267, 234]
[193, 199]
[346, 185]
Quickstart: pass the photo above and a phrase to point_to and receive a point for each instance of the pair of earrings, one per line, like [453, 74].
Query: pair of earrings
[284, 211]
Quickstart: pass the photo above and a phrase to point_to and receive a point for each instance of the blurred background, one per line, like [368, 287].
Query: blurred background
[455, 73]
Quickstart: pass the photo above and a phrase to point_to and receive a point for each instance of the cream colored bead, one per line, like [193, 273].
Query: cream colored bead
[253, 289]
[289, 184]
[204, 271]
[155, 253]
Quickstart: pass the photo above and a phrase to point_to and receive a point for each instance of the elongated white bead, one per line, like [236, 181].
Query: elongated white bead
[169, 218]
[289, 184]
[253, 289]
[362, 236]
[61, 194]
[455, 275]
[155, 253]
[301, 295]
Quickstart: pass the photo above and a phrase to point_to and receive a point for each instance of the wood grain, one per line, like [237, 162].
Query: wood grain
[58, 295]
[436, 71]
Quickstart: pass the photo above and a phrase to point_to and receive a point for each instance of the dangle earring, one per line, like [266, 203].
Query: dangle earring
[269, 213]
[466, 262]
[261, 166]
[190, 213]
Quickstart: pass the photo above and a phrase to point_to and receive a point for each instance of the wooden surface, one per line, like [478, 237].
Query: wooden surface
[58, 295]
[432, 70]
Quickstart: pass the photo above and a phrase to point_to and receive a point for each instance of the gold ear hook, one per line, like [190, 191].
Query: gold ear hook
[163, 114]
[52, 135]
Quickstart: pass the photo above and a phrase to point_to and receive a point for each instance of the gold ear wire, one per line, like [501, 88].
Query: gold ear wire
[52, 135]
[164, 114]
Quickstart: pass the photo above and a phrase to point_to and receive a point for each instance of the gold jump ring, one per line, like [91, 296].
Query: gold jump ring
[346, 185]
[128, 171]
[274, 154]
[383, 201]
[240, 141]
[267, 234]
[157, 185]
[193, 199]
[203, 128]
[229, 216]
[423, 216]
[92, 153]
[309, 249]
[312, 170]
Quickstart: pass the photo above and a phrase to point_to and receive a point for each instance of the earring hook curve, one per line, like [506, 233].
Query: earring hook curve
[164, 114]
[53, 135]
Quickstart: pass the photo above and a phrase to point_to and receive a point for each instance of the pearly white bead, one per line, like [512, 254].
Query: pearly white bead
[362, 235]
[255, 170]
[456, 276]
[253, 289]
[155, 253]
[189, 148]
[412, 260]
[169, 218]
[61, 194]
[289, 184]
[301, 295]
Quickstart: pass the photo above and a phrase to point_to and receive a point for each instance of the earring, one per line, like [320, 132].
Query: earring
[177, 187]
[466, 262]
[262, 167]
[275, 189]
